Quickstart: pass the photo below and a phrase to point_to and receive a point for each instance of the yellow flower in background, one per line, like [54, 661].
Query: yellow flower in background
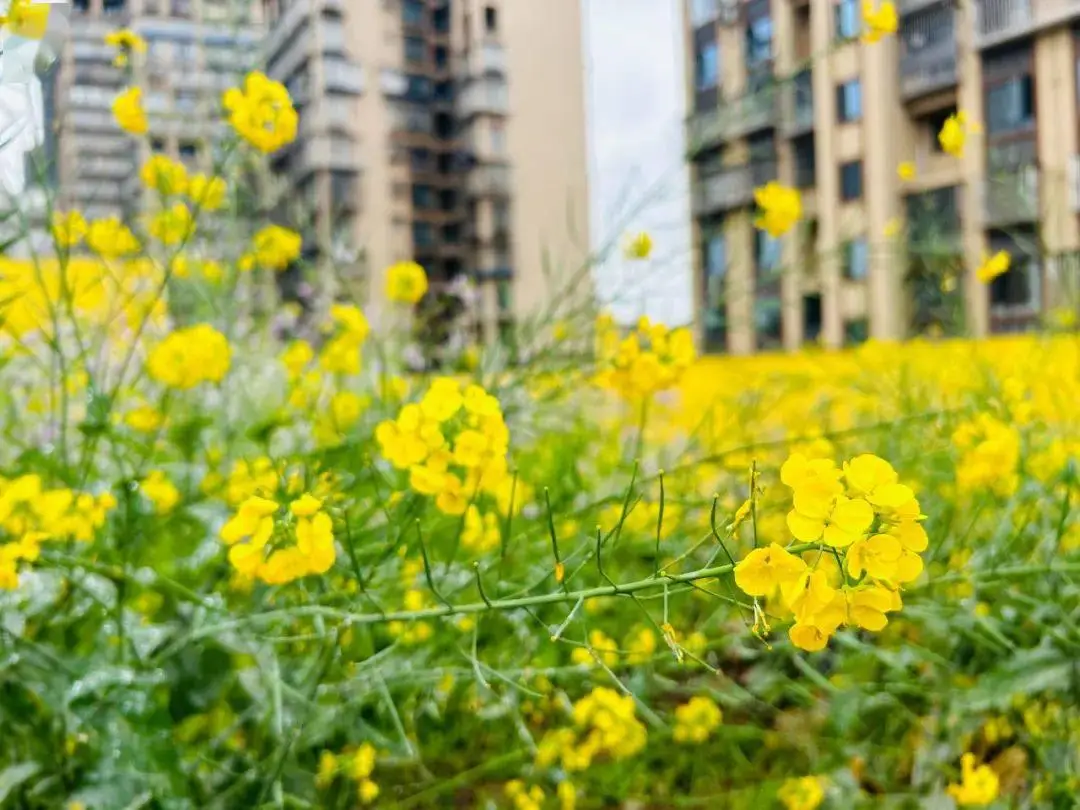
[273, 247]
[979, 785]
[26, 18]
[161, 492]
[892, 228]
[639, 246]
[906, 171]
[880, 22]
[144, 419]
[208, 193]
[212, 271]
[68, 228]
[781, 208]
[164, 175]
[110, 238]
[993, 266]
[802, 793]
[188, 357]
[696, 720]
[173, 225]
[954, 133]
[129, 113]
[126, 42]
[406, 282]
[262, 112]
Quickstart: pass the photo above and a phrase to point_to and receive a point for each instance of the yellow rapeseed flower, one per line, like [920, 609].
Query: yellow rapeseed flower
[164, 175]
[173, 225]
[273, 248]
[406, 282]
[802, 793]
[953, 134]
[979, 785]
[781, 208]
[262, 112]
[129, 113]
[639, 246]
[188, 357]
[207, 193]
[110, 238]
[26, 18]
[906, 171]
[993, 266]
[68, 228]
[126, 42]
[879, 22]
[161, 492]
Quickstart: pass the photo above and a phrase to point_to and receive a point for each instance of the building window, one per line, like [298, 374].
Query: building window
[934, 123]
[768, 321]
[767, 253]
[188, 149]
[856, 259]
[419, 88]
[847, 19]
[423, 234]
[811, 317]
[714, 254]
[412, 12]
[856, 331]
[851, 180]
[759, 41]
[491, 19]
[423, 197]
[1010, 106]
[415, 50]
[707, 66]
[849, 101]
[805, 162]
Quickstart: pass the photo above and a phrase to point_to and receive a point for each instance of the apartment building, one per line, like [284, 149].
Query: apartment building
[444, 131]
[786, 90]
[195, 50]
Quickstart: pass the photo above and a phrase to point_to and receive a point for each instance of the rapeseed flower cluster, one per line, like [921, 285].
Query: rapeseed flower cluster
[31, 514]
[605, 726]
[696, 720]
[356, 765]
[978, 786]
[189, 357]
[859, 512]
[650, 359]
[990, 455]
[454, 445]
[280, 548]
[262, 113]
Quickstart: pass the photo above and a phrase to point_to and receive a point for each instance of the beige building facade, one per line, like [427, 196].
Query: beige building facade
[786, 90]
[195, 50]
[442, 131]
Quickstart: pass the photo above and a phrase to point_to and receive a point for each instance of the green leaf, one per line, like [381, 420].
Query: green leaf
[13, 776]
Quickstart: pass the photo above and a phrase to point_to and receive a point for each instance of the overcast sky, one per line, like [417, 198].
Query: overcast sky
[637, 175]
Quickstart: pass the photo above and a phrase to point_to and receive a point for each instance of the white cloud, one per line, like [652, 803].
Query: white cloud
[637, 174]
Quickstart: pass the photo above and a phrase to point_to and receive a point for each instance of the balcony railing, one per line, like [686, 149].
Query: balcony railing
[797, 105]
[733, 119]
[288, 61]
[485, 181]
[998, 21]
[321, 153]
[927, 70]
[910, 6]
[343, 77]
[488, 58]
[484, 96]
[729, 187]
[1011, 197]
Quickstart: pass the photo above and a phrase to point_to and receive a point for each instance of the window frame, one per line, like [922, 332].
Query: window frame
[843, 114]
[844, 196]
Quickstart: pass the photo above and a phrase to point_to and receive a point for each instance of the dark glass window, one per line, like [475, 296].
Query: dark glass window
[851, 180]
[707, 66]
[1010, 105]
[849, 101]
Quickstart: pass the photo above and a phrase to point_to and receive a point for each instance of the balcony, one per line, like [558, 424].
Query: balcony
[1011, 196]
[927, 70]
[106, 168]
[487, 60]
[733, 119]
[488, 181]
[486, 96]
[340, 76]
[288, 61]
[797, 105]
[322, 153]
[998, 21]
[911, 6]
[729, 187]
[92, 120]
